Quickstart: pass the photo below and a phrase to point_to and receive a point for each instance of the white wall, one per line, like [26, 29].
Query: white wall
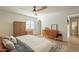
[59, 19]
[6, 21]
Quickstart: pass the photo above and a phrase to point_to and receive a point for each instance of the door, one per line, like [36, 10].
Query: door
[74, 26]
[39, 27]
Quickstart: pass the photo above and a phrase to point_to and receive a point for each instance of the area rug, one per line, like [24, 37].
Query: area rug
[57, 48]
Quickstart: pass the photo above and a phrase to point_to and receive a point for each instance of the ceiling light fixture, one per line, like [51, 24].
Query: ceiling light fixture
[35, 10]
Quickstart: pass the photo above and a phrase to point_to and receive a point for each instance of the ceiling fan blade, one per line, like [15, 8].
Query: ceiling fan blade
[42, 8]
[34, 8]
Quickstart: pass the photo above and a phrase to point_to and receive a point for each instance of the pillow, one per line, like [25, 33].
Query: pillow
[13, 39]
[6, 37]
[8, 44]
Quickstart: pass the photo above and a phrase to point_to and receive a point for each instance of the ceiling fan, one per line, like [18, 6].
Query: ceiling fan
[39, 9]
[35, 9]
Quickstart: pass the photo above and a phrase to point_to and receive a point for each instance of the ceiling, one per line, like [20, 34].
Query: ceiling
[27, 10]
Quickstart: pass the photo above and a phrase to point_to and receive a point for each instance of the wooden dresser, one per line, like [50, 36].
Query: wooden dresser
[2, 48]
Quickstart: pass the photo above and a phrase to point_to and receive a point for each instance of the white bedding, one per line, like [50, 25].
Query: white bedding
[36, 43]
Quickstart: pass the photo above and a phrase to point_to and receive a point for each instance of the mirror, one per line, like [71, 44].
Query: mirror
[54, 26]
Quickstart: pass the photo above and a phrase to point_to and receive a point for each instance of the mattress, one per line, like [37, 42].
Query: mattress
[38, 44]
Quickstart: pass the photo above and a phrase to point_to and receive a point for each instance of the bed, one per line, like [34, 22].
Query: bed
[37, 44]
[20, 47]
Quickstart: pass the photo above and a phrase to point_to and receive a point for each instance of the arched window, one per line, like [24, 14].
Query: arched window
[30, 24]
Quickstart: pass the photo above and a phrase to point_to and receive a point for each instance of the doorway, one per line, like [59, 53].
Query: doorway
[73, 26]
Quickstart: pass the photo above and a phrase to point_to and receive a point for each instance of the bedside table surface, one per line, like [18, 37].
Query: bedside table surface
[2, 48]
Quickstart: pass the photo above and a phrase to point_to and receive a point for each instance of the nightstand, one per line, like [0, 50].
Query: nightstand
[2, 48]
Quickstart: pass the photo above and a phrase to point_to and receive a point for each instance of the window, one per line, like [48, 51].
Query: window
[29, 24]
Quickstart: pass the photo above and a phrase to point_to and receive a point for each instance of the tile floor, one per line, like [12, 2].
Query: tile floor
[71, 46]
